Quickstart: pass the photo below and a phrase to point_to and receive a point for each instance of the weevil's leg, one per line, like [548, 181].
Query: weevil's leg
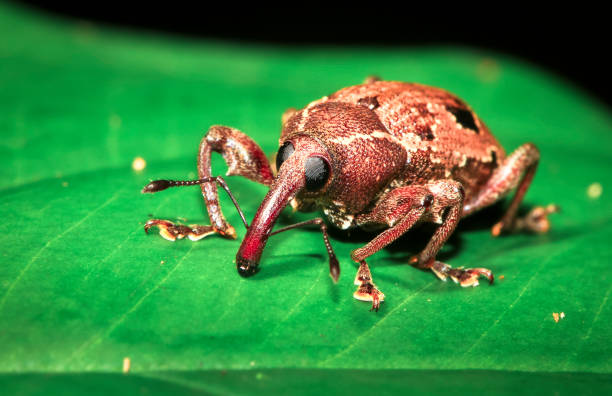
[371, 79]
[517, 170]
[400, 209]
[366, 289]
[243, 157]
[334, 266]
[172, 232]
[447, 208]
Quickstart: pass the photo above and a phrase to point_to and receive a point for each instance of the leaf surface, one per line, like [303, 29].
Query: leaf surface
[82, 286]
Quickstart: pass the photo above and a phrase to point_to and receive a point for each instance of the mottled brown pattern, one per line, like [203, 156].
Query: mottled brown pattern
[417, 118]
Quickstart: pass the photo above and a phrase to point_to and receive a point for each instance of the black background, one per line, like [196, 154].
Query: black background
[573, 42]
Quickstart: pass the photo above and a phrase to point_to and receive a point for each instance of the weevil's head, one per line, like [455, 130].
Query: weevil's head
[304, 166]
[335, 155]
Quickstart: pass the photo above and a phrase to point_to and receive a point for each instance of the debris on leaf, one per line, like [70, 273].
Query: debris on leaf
[126, 365]
[139, 164]
[558, 316]
[500, 277]
[594, 190]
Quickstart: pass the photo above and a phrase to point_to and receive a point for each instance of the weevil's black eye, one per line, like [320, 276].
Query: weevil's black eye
[316, 173]
[284, 152]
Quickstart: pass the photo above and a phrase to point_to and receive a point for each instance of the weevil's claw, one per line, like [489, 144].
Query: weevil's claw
[469, 276]
[464, 276]
[172, 232]
[367, 290]
[536, 221]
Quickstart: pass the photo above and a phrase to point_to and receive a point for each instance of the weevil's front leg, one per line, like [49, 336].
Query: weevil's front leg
[366, 289]
[447, 208]
[517, 169]
[400, 209]
[243, 157]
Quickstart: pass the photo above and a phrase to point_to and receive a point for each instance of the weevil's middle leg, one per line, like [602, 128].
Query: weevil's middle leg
[448, 202]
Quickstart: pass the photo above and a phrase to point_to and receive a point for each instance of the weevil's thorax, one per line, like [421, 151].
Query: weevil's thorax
[363, 159]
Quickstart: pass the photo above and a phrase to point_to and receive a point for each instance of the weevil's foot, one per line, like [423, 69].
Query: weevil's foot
[367, 290]
[466, 277]
[536, 221]
[170, 231]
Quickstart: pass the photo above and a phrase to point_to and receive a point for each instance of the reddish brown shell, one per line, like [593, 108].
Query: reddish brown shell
[403, 133]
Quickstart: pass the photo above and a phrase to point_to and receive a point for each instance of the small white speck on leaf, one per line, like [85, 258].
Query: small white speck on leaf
[594, 190]
[139, 164]
[126, 365]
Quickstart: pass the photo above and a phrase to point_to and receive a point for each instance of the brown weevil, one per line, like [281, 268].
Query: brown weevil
[381, 154]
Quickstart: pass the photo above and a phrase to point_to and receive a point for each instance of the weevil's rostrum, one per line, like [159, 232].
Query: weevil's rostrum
[381, 155]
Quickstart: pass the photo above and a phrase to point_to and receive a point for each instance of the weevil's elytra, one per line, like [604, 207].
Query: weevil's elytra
[382, 154]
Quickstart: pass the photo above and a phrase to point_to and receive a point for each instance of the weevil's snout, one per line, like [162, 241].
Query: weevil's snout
[304, 166]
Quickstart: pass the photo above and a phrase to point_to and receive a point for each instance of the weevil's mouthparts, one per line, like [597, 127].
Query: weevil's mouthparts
[246, 268]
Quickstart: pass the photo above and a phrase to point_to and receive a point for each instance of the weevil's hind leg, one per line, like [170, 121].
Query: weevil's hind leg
[366, 290]
[517, 171]
[243, 157]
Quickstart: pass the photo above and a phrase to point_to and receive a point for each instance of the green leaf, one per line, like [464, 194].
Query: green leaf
[82, 286]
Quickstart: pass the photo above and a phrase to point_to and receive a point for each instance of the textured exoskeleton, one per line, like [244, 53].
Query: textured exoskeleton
[381, 154]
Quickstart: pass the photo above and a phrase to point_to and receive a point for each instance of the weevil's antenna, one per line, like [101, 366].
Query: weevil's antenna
[160, 185]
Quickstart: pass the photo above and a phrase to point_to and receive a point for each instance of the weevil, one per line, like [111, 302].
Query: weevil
[384, 155]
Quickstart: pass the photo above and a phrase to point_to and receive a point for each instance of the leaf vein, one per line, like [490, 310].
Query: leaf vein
[375, 326]
[50, 242]
[96, 339]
